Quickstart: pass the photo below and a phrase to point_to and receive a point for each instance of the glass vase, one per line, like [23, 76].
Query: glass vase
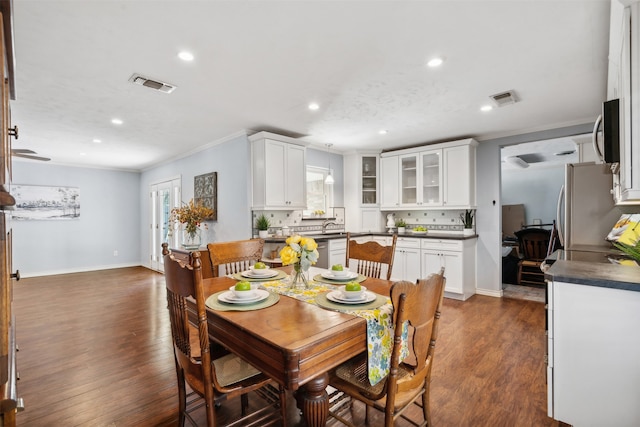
[298, 278]
[191, 241]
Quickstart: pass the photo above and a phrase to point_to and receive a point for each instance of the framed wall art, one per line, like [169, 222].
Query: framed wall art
[39, 202]
[205, 192]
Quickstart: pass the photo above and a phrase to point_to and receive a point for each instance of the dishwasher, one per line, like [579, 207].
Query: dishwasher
[323, 255]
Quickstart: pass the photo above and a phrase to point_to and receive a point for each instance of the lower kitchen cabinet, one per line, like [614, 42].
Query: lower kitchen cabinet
[459, 261]
[337, 251]
[593, 353]
[406, 259]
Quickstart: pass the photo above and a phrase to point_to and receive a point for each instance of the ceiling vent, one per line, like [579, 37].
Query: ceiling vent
[504, 98]
[153, 84]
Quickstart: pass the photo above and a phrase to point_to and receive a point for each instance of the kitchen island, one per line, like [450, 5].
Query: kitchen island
[593, 319]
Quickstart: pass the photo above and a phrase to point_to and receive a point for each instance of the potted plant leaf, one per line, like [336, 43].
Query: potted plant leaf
[263, 224]
[467, 221]
[402, 225]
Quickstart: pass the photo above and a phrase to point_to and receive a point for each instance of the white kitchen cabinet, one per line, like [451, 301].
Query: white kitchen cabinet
[593, 354]
[459, 176]
[337, 251]
[406, 260]
[458, 259]
[362, 191]
[278, 173]
[421, 179]
[390, 182]
[624, 81]
[435, 176]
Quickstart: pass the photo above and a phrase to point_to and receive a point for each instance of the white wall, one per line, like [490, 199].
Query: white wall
[231, 160]
[109, 220]
[536, 188]
[489, 212]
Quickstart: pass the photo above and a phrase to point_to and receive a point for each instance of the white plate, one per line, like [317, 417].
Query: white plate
[344, 297]
[418, 232]
[329, 275]
[230, 298]
[251, 275]
[336, 296]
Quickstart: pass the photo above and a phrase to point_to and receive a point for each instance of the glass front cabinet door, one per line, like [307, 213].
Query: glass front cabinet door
[431, 178]
[369, 174]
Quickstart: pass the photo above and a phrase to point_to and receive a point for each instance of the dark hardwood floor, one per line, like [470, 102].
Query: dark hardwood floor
[95, 350]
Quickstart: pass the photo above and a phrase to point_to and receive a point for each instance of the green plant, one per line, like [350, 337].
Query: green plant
[632, 250]
[400, 222]
[467, 218]
[262, 222]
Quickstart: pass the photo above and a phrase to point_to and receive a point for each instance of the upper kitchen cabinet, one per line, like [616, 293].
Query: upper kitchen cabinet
[278, 172]
[361, 190]
[435, 176]
[623, 84]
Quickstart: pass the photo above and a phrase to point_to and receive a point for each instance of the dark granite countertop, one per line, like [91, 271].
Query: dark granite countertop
[601, 274]
[342, 235]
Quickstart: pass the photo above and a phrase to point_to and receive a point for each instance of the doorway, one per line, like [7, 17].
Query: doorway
[531, 178]
[164, 196]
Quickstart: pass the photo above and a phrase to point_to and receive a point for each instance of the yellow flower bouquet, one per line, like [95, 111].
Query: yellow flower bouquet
[302, 252]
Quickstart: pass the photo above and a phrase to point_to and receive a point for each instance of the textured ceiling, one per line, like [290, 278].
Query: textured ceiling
[258, 64]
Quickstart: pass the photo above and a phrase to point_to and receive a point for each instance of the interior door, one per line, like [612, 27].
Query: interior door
[163, 196]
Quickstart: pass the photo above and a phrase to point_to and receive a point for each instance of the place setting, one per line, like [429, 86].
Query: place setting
[338, 274]
[243, 296]
[259, 272]
[351, 296]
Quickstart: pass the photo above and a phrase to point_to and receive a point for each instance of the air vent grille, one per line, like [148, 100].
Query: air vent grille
[151, 83]
[504, 98]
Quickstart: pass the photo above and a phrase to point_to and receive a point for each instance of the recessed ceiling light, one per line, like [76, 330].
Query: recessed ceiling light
[185, 56]
[97, 141]
[383, 131]
[83, 154]
[116, 121]
[313, 106]
[486, 108]
[435, 62]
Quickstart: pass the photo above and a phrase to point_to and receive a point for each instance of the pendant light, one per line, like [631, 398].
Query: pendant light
[329, 179]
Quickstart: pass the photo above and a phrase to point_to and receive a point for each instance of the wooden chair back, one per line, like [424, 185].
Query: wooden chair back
[534, 243]
[235, 256]
[371, 256]
[416, 307]
[233, 377]
[420, 305]
[184, 280]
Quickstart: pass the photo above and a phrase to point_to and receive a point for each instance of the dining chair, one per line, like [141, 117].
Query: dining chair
[213, 380]
[371, 256]
[534, 247]
[409, 380]
[235, 256]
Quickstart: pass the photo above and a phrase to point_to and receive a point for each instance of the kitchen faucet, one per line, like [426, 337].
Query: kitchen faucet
[325, 223]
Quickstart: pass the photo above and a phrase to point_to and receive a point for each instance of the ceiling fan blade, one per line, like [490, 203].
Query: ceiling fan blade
[22, 151]
[29, 156]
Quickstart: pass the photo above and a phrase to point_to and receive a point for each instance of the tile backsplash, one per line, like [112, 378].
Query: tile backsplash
[297, 224]
[444, 220]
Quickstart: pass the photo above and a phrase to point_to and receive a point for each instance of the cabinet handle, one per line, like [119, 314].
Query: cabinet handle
[13, 131]
[16, 275]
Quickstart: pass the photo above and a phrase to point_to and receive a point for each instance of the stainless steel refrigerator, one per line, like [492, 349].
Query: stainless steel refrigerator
[586, 211]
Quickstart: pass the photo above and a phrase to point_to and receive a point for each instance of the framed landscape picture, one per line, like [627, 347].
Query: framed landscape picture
[38, 202]
[205, 192]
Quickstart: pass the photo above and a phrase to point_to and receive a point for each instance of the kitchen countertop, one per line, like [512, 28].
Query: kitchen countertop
[342, 235]
[565, 268]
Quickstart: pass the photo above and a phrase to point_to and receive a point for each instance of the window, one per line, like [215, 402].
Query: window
[319, 194]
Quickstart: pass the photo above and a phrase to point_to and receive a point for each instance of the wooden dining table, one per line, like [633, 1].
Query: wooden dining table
[293, 342]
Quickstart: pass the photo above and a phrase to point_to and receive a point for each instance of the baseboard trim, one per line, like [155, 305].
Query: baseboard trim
[490, 292]
[77, 270]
